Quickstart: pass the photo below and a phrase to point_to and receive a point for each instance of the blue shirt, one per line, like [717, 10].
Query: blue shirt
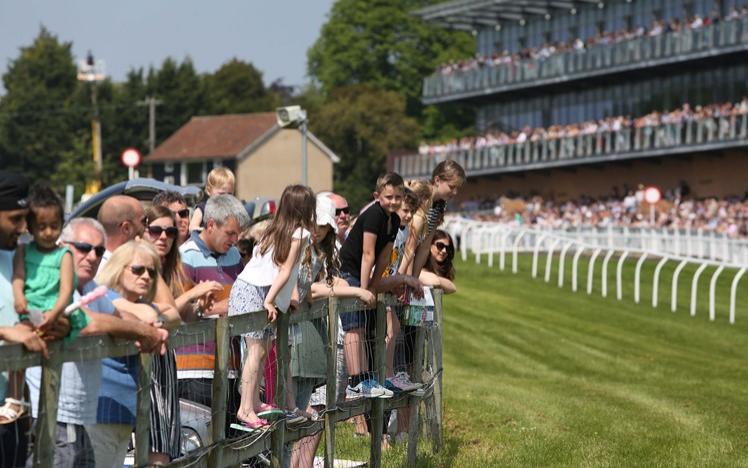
[118, 395]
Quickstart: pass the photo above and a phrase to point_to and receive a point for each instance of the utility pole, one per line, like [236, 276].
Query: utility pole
[151, 102]
[92, 72]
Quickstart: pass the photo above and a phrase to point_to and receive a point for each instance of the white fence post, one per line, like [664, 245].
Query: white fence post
[516, 249]
[619, 276]
[637, 277]
[549, 259]
[574, 265]
[712, 292]
[538, 242]
[733, 293]
[656, 280]
[591, 270]
[604, 285]
[694, 285]
[674, 291]
[502, 250]
[561, 260]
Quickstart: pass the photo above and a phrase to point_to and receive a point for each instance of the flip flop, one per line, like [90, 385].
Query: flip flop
[268, 411]
[253, 426]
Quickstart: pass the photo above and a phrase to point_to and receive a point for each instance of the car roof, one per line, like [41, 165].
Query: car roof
[143, 189]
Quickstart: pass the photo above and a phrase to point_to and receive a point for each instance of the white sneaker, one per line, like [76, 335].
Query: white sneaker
[402, 381]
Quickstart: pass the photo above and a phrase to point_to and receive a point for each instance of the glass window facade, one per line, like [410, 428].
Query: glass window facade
[619, 96]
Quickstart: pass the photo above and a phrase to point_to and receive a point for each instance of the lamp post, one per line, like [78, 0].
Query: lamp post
[92, 72]
[295, 117]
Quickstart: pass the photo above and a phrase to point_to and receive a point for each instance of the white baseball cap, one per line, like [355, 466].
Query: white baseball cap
[326, 212]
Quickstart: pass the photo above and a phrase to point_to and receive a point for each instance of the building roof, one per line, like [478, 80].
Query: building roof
[214, 136]
[470, 15]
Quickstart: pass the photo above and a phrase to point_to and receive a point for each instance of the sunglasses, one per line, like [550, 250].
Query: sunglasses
[185, 213]
[441, 246]
[138, 270]
[85, 247]
[345, 210]
[156, 231]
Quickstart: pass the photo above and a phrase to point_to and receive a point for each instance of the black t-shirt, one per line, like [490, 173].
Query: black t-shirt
[376, 221]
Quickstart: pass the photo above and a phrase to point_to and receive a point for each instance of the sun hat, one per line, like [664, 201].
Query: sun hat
[326, 212]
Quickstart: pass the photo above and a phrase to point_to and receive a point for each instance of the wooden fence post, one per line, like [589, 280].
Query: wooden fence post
[281, 353]
[46, 424]
[415, 402]
[220, 389]
[436, 338]
[332, 380]
[377, 407]
[143, 410]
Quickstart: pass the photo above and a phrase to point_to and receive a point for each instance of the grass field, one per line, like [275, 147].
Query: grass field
[535, 375]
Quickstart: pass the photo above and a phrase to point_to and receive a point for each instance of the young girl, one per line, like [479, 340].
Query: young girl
[43, 281]
[267, 282]
[220, 182]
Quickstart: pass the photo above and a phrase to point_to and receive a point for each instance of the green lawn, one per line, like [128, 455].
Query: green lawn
[535, 375]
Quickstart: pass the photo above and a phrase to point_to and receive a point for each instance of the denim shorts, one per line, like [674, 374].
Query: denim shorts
[357, 318]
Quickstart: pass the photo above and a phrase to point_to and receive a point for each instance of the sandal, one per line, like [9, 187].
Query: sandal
[268, 411]
[8, 414]
[247, 426]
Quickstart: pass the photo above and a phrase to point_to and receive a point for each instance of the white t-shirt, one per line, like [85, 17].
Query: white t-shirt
[261, 271]
[8, 316]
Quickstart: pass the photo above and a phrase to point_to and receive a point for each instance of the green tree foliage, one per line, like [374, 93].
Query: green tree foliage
[237, 88]
[381, 42]
[362, 125]
[38, 124]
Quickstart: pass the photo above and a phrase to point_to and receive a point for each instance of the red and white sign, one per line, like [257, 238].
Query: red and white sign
[130, 157]
[652, 195]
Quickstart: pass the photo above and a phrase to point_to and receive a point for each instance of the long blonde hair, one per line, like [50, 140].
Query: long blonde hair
[111, 274]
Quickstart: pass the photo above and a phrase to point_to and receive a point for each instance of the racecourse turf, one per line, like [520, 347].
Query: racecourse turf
[537, 375]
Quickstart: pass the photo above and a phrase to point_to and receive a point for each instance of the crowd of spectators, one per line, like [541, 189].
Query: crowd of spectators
[591, 127]
[550, 49]
[677, 209]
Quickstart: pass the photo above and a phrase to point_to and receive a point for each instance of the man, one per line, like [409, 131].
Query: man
[210, 255]
[80, 380]
[178, 206]
[122, 218]
[342, 215]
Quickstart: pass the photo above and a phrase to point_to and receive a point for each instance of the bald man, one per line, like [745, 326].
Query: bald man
[122, 218]
[342, 215]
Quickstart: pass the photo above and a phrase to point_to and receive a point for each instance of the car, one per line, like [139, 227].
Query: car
[143, 189]
[260, 208]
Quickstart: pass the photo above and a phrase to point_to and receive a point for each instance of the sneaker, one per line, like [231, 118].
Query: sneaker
[402, 381]
[419, 392]
[390, 385]
[294, 417]
[351, 395]
[369, 388]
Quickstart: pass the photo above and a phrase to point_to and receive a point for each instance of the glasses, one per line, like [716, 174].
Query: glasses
[85, 247]
[441, 246]
[185, 213]
[156, 231]
[345, 210]
[138, 271]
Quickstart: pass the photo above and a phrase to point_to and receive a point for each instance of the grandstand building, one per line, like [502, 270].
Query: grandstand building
[581, 97]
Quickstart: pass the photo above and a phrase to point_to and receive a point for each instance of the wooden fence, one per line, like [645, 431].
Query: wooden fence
[218, 450]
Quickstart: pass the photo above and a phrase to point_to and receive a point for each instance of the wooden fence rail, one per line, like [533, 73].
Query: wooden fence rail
[220, 451]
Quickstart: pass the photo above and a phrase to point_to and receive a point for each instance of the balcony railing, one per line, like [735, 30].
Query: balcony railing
[688, 44]
[673, 138]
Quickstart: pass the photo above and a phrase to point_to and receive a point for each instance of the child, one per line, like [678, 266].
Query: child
[267, 282]
[368, 247]
[220, 181]
[446, 179]
[43, 281]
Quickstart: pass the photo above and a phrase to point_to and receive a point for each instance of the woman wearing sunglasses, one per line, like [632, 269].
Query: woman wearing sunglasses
[439, 271]
[161, 230]
[132, 275]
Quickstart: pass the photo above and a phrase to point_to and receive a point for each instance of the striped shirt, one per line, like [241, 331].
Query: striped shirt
[435, 215]
[201, 264]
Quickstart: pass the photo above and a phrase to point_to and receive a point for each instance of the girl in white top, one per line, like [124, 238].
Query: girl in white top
[267, 282]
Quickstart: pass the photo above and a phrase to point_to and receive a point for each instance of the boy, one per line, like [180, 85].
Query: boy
[368, 247]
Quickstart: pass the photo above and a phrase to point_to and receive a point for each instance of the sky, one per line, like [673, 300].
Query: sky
[272, 34]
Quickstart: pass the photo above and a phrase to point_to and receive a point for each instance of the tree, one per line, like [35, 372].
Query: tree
[236, 88]
[362, 125]
[381, 42]
[38, 124]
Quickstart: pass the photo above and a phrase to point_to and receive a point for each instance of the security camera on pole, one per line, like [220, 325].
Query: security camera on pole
[130, 158]
[295, 117]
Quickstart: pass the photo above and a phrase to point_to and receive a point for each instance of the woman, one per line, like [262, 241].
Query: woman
[173, 285]
[132, 276]
[439, 271]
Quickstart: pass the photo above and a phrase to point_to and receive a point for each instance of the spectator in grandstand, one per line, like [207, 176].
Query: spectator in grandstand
[132, 277]
[122, 218]
[173, 284]
[221, 181]
[80, 381]
[210, 255]
[267, 283]
[178, 206]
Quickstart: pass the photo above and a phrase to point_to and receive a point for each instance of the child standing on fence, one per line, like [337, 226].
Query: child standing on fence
[221, 181]
[267, 282]
[43, 283]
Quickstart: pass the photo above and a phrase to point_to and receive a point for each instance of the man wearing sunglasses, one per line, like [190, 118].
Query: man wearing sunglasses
[178, 206]
[122, 218]
[342, 215]
[81, 381]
